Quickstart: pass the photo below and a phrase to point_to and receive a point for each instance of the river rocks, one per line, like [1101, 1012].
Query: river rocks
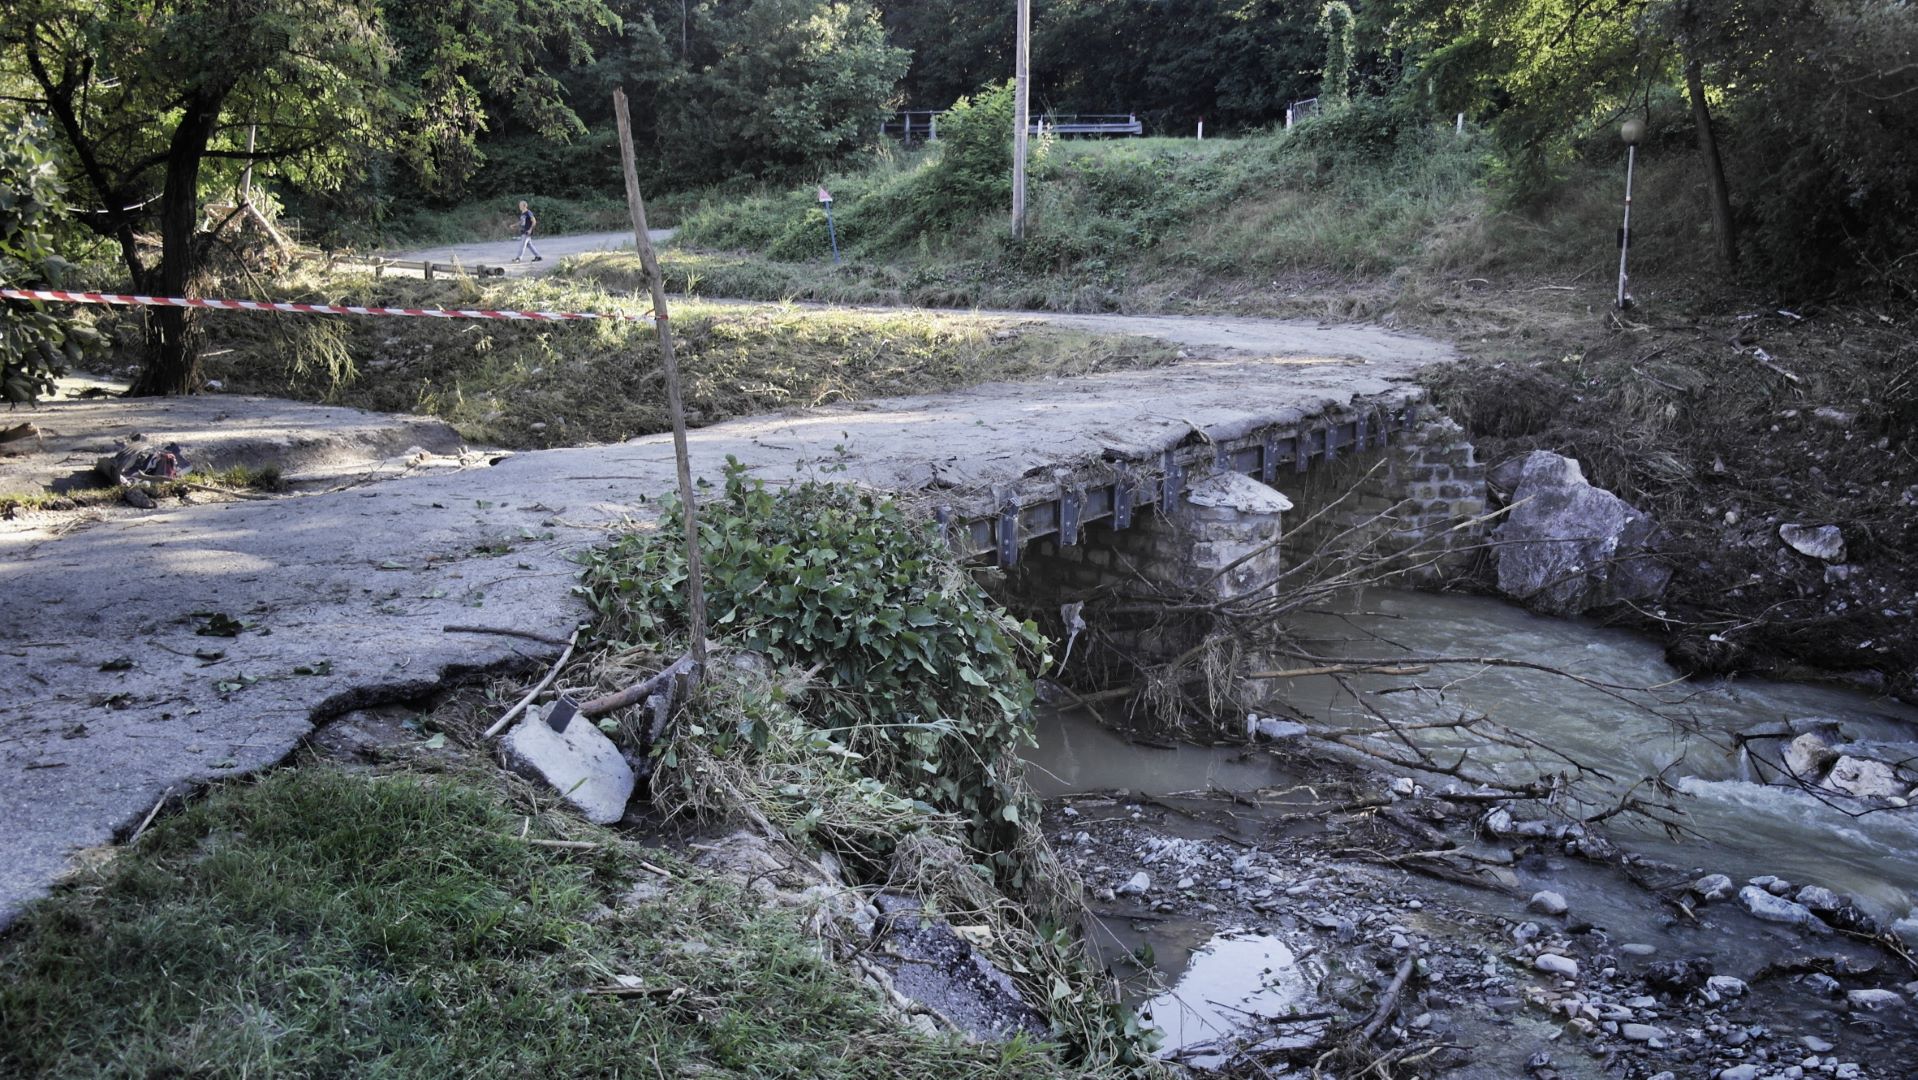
[1713, 887]
[1271, 728]
[1807, 756]
[1819, 899]
[1874, 1000]
[1556, 964]
[1746, 1071]
[1726, 985]
[581, 763]
[1567, 547]
[1640, 1032]
[1137, 885]
[1547, 903]
[1823, 542]
[1863, 778]
[1768, 908]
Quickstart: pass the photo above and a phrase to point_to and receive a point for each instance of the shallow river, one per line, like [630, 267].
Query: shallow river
[1742, 828]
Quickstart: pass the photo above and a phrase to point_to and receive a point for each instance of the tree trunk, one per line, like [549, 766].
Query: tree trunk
[172, 347]
[1714, 168]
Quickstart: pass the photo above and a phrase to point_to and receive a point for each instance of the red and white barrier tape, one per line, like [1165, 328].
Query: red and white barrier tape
[126, 300]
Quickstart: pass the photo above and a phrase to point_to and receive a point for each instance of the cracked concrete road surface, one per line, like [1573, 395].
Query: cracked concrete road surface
[115, 697]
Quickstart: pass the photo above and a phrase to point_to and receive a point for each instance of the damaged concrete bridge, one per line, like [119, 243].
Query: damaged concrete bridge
[116, 698]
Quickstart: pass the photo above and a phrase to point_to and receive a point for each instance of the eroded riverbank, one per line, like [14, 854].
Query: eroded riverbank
[1330, 877]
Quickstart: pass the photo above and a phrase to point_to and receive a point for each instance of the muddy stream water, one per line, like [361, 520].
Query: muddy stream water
[1214, 973]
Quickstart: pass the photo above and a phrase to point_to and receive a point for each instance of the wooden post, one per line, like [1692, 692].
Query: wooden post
[1021, 117]
[246, 180]
[695, 585]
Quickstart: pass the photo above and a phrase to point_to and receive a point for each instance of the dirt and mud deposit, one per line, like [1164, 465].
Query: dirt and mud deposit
[1728, 425]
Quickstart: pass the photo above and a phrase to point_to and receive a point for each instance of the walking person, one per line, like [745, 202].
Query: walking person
[527, 223]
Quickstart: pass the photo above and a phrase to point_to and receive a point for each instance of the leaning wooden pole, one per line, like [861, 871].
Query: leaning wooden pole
[695, 584]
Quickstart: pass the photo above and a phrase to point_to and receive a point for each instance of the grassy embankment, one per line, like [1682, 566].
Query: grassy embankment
[1702, 403]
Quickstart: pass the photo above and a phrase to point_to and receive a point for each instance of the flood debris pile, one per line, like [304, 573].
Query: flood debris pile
[1549, 964]
[863, 709]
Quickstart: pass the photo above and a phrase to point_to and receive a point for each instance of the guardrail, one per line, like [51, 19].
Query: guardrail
[924, 124]
[425, 266]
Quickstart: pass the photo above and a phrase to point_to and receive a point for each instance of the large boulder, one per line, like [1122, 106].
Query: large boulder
[1864, 778]
[1567, 547]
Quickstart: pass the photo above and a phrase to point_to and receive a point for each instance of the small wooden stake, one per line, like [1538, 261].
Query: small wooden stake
[695, 586]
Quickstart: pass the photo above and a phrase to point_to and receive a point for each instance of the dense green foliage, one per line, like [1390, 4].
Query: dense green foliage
[1335, 82]
[36, 342]
[923, 679]
[326, 923]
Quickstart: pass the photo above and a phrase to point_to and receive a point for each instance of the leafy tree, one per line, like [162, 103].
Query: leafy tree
[35, 343]
[145, 96]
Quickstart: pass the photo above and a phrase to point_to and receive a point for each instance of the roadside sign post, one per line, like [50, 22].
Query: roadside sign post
[825, 200]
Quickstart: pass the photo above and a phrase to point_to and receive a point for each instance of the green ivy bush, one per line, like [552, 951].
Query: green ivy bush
[921, 682]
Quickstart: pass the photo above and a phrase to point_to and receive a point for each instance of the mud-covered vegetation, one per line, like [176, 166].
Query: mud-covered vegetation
[529, 386]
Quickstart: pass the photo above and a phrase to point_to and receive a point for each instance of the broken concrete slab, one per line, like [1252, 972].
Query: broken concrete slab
[935, 967]
[580, 763]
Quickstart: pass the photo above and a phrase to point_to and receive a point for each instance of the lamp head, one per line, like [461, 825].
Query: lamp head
[1632, 130]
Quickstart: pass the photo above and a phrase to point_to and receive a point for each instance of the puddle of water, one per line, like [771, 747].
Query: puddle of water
[1235, 982]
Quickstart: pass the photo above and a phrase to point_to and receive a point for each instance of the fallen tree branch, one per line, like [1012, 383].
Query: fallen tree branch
[1389, 1002]
[551, 673]
[639, 691]
[1339, 669]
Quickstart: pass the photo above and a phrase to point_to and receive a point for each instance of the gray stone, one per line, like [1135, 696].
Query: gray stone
[1907, 929]
[1556, 964]
[1807, 756]
[1137, 885]
[1769, 908]
[1547, 903]
[1746, 1071]
[1863, 778]
[1874, 1000]
[1726, 985]
[1637, 948]
[1819, 899]
[1568, 547]
[1816, 1045]
[1824, 542]
[1272, 729]
[1640, 1032]
[580, 763]
[1713, 887]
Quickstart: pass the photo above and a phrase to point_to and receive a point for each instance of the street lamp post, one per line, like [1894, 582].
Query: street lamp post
[1631, 131]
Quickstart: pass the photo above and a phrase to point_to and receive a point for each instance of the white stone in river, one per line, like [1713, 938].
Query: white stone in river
[1725, 985]
[1863, 778]
[1713, 887]
[1739, 1072]
[1557, 965]
[1874, 1000]
[1137, 885]
[1547, 903]
[1769, 908]
[1640, 1032]
[1818, 898]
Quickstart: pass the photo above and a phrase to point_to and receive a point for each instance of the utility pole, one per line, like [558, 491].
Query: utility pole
[1021, 117]
[695, 585]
